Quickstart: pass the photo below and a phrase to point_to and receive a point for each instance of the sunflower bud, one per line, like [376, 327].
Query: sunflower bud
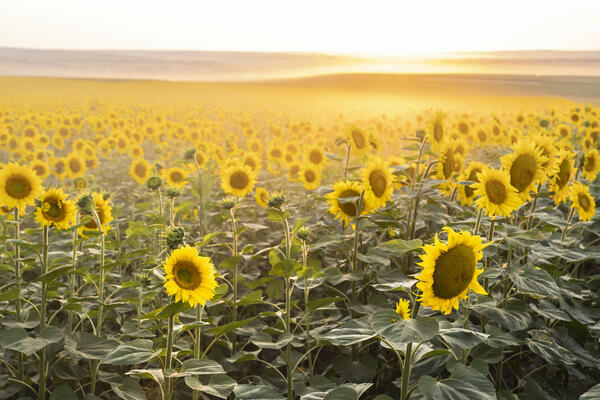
[144, 278]
[276, 200]
[174, 237]
[173, 192]
[228, 203]
[153, 183]
[106, 196]
[303, 234]
[86, 204]
[189, 155]
[80, 183]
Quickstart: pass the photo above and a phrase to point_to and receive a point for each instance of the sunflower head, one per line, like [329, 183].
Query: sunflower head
[591, 165]
[377, 179]
[140, 170]
[262, 196]
[436, 133]
[525, 166]
[19, 186]
[494, 192]
[103, 209]
[310, 177]
[238, 180]
[55, 210]
[346, 199]
[559, 183]
[189, 277]
[450, 270]
[466, 192]
[358, 139]
[582, 201]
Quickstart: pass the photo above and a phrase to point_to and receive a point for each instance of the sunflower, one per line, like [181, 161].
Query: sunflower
[310, 177]
[175, 177]
[189, 277]
[482, 135]
[591, 165]
[238, 180]
[293, 170]
[563, 131]
[549, 150]
[315, 156]
[75, 165]
[525, 167]
[55, 210]
[403, 308]
[466, 192]
[495, 193]
[377, 179]
[559, 183]
[253, 161]
[582, 201]
[450, 270]
[140, 170]
[436, 133]
[358, 139]
[104, 211]
[19, 186]
[59, 168]
[262, 196]
[41, 168]
[347, 209]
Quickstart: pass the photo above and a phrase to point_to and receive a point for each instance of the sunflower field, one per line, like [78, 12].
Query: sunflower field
[171, 251]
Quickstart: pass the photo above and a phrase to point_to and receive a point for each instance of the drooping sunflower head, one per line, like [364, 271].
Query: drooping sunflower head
[345, 201]
[377, 179]
[525, 166]
[403, 308]
[559, 183]
[450, 270]
[591, 165]
[55, 210]
[262, 196]
[104, 211]
[140, 170]
[582, 201]
[450, 162]
[466, 192]
[189, 277]
[238, 180]
[310, 177]
[494, 192]
[19, 186]
[358, 139]
[436, 133]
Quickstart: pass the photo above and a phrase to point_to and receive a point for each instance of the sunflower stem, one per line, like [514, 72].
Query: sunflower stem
[44, 268]
[347, 162]
[288, 312]
[478, 222]
[234, 250]
[18, 284]
[486, 282]
[72, 276]
[306, 309]
[169, 357]
[96, 364]
[198, 342]
[407, 365]
[533, 206]
[566, 228]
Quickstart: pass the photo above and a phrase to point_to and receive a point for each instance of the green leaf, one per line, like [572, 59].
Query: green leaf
[534, 281]
[219, 386]
[167, 311]
[11, 294]
[276, 215]
[232, 326]
[230, 262]
[463, 383]
[286, 268]
[155, 374]
[87, 346]
[198, 367]
[398, 331]
[54, 273]
[134, 352]
[63, 392]
[462, 338]
[509, 317]
[254, 297]
[17, 339]
[128, 389]
[592, 394]
[349, 333]
[320, 303]
[254, 392]
[546, 347]
[263, 340]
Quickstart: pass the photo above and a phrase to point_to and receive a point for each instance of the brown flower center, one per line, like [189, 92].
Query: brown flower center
[378, 182]
[239, 180]
[523, 171]
[140, 170]
[315, 157]
[584, 201]
[496, 191]
[349, 208]
[454, 271]
[18, 186]
[310, 176]
[359, 139]
[564, 173]
[187, 276]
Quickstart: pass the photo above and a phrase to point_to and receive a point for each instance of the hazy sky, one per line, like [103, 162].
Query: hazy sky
[392, 27]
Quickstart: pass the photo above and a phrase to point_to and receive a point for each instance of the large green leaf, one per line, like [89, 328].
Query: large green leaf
[534, 281]
[462, 338]
[398, 331]
[463, 383]
[128, 389]
[510, 317]
[349, 333]
[18, 339]
[219, 386]
[254, 392]
[87, 346]
[134, 352]
[264, 341]
[232, 326]
[592, 394]
[63, 392]
[198, 367]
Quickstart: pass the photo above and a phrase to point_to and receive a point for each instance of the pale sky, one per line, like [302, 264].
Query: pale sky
[377, 27]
